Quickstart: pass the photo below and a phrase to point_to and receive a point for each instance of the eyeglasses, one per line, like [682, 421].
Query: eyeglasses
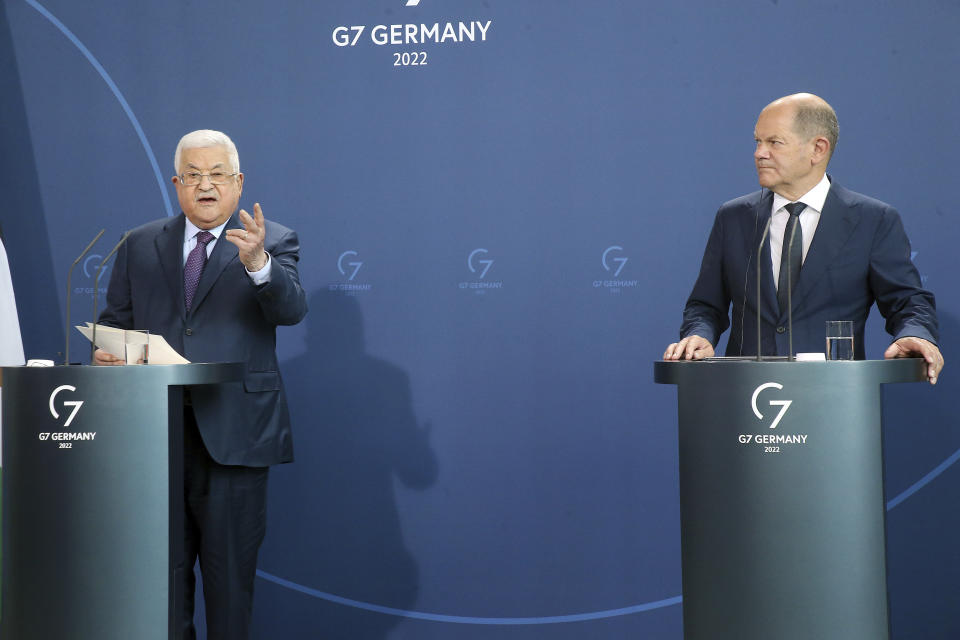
[193, 178]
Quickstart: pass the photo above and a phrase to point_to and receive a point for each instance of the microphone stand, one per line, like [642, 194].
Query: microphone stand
[96, 291]
[763, 238]
[66, 347]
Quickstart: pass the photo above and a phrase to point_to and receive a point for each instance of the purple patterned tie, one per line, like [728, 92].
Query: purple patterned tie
[196, 261]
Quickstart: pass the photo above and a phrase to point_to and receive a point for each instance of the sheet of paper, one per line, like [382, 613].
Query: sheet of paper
[108, 338]
[161, 352]
[112, 340]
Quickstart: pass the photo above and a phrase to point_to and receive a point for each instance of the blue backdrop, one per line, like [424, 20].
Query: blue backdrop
[500, 222]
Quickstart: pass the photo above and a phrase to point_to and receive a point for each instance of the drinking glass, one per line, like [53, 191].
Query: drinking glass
[839, 340]
[136, 344]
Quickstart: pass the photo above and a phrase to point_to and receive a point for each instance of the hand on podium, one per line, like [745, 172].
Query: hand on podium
[910, 347]
[690, 348]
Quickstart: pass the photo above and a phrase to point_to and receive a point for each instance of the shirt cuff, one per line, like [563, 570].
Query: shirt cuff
[262, 276]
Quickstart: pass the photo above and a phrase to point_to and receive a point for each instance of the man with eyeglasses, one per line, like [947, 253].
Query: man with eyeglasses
[215, 284]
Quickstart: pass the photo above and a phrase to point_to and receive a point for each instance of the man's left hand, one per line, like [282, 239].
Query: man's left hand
[249, 240]
[911, 347]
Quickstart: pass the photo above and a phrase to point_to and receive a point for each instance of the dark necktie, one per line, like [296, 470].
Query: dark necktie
[196, 261]
[790, 257]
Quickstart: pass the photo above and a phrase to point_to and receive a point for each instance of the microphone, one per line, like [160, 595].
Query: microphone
[96, 290]
[66, 347]
[763, 239]
[746, 273]
[793, 232]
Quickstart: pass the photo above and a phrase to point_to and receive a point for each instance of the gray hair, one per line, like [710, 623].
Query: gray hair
[204, 138]
[817, 119]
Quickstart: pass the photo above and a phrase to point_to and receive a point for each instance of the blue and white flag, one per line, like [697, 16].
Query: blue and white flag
[11, 345]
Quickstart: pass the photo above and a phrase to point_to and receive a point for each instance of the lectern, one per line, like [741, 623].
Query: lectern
[781, 497]
[92, 499]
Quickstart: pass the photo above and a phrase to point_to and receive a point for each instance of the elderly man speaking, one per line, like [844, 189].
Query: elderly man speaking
[215, 284]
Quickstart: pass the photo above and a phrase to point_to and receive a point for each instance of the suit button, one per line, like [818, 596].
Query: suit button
[779, 330]
[189, 332]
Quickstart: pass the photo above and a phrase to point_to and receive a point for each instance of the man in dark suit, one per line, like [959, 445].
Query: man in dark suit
[215, 285]
[848, 250]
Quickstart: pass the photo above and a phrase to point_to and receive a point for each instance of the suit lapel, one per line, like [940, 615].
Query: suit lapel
[222, 255]
[837, 223]
[169, 243]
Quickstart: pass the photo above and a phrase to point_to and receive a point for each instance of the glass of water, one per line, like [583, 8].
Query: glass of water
[839, 340]
[136, 343]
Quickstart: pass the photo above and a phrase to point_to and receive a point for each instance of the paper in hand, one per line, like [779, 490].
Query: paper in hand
[113, 340]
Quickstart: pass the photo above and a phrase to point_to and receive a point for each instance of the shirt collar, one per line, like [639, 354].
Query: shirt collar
[814, 199]
[190, 229]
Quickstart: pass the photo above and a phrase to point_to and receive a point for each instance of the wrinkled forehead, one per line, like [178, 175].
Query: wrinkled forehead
[205, 158]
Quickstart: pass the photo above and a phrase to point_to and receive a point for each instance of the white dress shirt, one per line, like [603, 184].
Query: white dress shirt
[809, 219]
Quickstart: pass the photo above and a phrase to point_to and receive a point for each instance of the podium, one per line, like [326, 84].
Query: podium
[782, 509]
[92, 499]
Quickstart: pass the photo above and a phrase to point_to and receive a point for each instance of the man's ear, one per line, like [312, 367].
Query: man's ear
[821, 149]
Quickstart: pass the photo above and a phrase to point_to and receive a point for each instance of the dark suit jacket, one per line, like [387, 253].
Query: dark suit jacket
[859, 255]
[231, 320]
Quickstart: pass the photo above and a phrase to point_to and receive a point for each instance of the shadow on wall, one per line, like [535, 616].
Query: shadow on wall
[333, 521]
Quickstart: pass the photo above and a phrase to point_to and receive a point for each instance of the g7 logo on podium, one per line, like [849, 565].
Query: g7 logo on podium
[76, 404]
[783, 404]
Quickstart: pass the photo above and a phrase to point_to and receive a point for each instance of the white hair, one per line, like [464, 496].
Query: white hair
[205, 138]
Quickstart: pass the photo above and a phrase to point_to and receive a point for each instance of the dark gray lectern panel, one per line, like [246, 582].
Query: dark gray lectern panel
[90, 475]
[781, 497]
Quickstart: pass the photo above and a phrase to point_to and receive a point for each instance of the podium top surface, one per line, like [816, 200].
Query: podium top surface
[865, 371]
[152, 374]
